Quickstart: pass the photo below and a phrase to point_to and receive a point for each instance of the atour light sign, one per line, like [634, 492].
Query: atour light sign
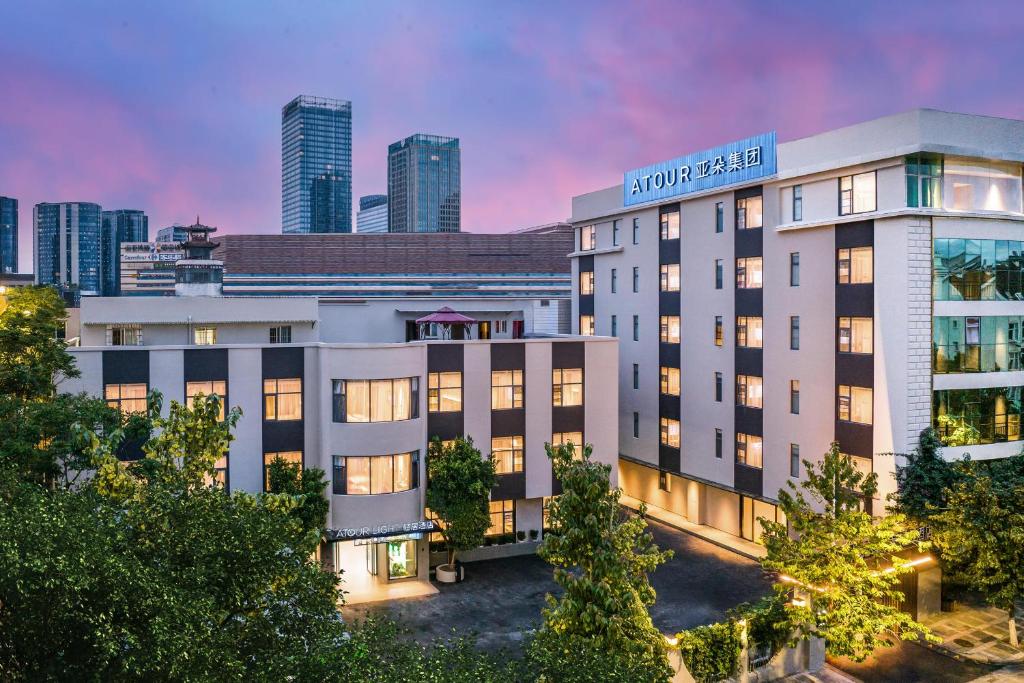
[737, 162]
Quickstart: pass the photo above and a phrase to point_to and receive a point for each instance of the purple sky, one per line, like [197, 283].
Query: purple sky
[174, 107]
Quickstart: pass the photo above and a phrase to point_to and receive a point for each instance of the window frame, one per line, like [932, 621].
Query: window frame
[719, 331]
[665, 432]
[719, 273]
[666, 275]
[797, 207]
[435, 391]
[204, 335]
[665, 326]
[514, 453]
[636, 230]
[745, 331]
[850, 194]
[849, 261]
[719, 217]
[515, 389]
[668, 231]
[586, 283]
[118, 402]
[277, 332]
[742, 212]
[588, 237]
[588, 330]
[339, 474]
[665, 380]
[849, 396]
[744, 396]
[190, 394]
[794, 333]
[744, 445]
[849, 328]
[794, 397]
[559, 384]
[340, 394]
[743, 265]
[794, 269]
[276, 394]
[269, 456]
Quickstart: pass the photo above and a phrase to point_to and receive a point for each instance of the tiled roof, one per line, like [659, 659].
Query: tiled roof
[524, 252]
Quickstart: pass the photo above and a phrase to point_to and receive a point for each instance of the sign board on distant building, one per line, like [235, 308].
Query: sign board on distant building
[737, 162]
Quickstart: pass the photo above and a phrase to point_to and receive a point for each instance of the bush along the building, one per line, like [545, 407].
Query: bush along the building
[711, 653]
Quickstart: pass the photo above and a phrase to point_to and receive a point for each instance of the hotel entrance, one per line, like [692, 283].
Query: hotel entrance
[382, 568]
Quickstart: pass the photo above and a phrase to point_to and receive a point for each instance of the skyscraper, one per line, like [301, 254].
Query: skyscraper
[172, 233]
[8, 235]
[316, 165]
[68, 247]
[373, 213]
[424, 181]
[119, 226]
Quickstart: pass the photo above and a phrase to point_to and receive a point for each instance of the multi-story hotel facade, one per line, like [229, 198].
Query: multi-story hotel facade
[363, 412]
[854, 286]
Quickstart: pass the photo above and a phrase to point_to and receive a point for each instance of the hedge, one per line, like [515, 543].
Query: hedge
[711, 653]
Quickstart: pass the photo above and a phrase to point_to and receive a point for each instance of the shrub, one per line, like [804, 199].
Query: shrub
[768, 621]
[711, 653]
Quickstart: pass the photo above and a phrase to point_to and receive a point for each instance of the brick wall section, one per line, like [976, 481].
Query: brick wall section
[919, 328]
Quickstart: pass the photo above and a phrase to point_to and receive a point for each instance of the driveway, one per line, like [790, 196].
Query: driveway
[501, 599]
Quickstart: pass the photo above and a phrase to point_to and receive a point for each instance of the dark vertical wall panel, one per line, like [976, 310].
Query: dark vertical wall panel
[853, 369]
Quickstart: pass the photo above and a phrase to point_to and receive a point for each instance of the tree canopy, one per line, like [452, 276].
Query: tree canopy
[460, 483]
[601, 558]
[846, 562]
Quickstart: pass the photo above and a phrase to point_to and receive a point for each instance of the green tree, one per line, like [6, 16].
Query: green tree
[957, 431]
[149, 573]
[307, 487]
[459, 488]
[31, 353]
[980, 534]
[38, 439]
[846, 561]
[923, 481]
[602, 557]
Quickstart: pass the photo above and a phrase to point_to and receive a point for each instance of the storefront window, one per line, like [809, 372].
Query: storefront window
[977, 344]
[401, 559]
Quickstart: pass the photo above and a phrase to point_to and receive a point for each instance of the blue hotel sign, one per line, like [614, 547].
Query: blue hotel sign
[736, 162]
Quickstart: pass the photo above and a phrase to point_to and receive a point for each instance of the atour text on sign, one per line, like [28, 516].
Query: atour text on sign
[378, 530]
[737, 162]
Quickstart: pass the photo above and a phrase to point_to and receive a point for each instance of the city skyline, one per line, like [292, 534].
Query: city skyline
[199, 129]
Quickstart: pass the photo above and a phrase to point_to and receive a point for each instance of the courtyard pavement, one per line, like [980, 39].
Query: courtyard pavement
[978, 633]
[500, 600]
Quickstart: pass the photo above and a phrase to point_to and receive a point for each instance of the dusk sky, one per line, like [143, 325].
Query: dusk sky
[175, 108]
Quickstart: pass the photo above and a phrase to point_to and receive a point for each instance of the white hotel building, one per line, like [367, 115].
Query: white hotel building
[337, 386]
[855, 286]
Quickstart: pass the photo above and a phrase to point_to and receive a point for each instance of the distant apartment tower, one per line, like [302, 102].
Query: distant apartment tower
[172, 233]
[424, 180]
[8, 235]
[68, 247]
[316, 165]
[373, 213]
[120, 226]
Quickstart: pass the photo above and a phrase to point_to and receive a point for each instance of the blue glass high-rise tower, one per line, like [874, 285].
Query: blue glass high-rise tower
[68, 247]
[424, 184]
[120, 225]
[8, 235]
[316, 165]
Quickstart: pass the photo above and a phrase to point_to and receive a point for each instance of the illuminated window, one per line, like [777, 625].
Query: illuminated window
[748, 273]
[976, 185]
[588, 238]
[574, 438]
[587, 325]
[669, 430]
[586, 282]
[794, 396]
[855, 404]
[748, 213]
[857, 193]
[669, 381]
[855, 266]
[375, 474]
[664, 482]
[749, 391]
[220, 473]
[506, 389]
[376, 400]
[670, 225]
[292, 458]
[856, 335]
[546, 514]
[669, 329]
[204, 336]
[670, 277]
[507, 454]
[218, 387]
[127, 398]
[749, 332]
[719, 331]
[748, 450]
[502, 517]
[444, 392]
[282, 399]
[567, 387]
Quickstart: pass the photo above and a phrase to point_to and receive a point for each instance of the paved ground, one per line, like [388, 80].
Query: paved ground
[979, 633]
[908, 662]
[501, 599]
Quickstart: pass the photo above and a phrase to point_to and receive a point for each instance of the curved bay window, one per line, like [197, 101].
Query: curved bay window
[967, 417]
[375, 400]
[367, 475]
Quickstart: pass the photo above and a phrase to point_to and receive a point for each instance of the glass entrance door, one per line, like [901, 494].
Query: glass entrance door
[371, 559]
